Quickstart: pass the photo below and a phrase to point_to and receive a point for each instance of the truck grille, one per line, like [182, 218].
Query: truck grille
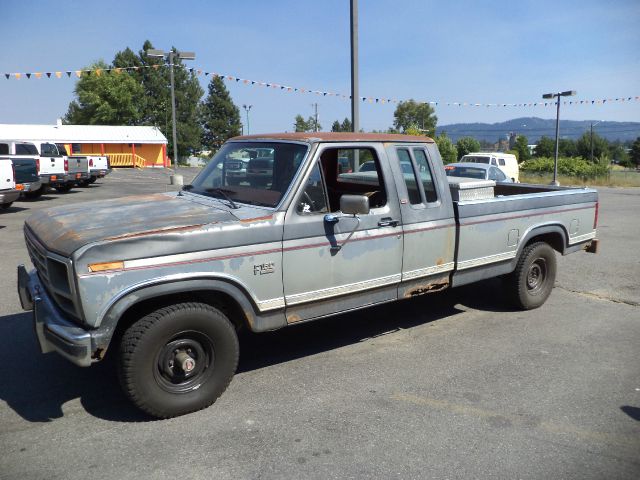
[55, 274]
[233, 165]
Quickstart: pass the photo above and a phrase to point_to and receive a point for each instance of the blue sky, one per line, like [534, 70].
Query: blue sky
[455, 51]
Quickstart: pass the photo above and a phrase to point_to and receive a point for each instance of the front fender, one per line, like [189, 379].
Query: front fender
[257, 321]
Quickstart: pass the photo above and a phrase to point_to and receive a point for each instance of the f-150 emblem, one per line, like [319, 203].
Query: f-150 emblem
[264, 268]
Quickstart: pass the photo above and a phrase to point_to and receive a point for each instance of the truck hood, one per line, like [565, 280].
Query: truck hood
[67, 228]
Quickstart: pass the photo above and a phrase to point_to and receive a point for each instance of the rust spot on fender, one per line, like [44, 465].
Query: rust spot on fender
[159, 230]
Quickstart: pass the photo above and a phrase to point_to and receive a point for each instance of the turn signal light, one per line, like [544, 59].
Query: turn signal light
[103, 267]
[19, 186]
[53, 178]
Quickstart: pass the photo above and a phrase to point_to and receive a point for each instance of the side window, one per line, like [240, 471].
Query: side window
[409, 175]
[4, 149]
[354, 171]
[493, 161]
[501, 162]
[493, 174]
[500, 176]
[425, 175]
[313, 199]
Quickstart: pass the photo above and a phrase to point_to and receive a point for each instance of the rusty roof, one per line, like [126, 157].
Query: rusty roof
[312, 137]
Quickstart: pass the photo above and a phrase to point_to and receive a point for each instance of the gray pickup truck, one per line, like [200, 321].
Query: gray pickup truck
[164, 281]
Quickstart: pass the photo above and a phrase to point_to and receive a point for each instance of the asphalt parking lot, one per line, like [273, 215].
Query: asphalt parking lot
[452, 385]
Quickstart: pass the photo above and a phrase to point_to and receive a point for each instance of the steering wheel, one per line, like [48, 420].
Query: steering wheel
[308, 201]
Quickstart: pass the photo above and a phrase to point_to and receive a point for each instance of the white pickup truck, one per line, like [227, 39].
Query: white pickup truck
[8, 192]
[52, 168]
[98, 166]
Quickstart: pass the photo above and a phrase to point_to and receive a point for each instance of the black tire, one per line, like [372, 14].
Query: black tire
[531, 282]
[84, 183]
[63, 188]
[6, 206]
[150, 354]
[35, 194]
[92, 180]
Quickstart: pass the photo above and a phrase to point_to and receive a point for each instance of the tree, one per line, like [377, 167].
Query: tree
[345, 126]
[521, 146]
[447, 149]
[413, 114]
[566, 148]
[219, 116]
[635, 152]
[466, 145]
[584, 145]
[105, 98]
[546, 147]
[300, 124]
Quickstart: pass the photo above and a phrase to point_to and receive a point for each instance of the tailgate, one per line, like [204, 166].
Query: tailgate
[26, 170]
[78, 165]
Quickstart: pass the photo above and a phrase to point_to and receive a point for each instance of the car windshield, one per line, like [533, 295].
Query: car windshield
[228, 178]
[468, 172]
[474, 159]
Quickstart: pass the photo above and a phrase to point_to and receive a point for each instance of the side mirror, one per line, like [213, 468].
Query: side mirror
[354, 204]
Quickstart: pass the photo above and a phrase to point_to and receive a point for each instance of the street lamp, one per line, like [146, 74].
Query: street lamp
[170, 55]
[592, 124]
[568, 93]
[247, 108]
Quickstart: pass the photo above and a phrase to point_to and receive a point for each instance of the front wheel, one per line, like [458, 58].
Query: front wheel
[531, 282]
[178, 359]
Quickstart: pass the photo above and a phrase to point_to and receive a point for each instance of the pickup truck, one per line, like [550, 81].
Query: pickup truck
[98, 165]
[50, 168]
[164, 281]
[27, 180]
[8, 191]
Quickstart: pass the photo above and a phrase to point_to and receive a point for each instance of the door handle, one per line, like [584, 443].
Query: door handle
[388, 222]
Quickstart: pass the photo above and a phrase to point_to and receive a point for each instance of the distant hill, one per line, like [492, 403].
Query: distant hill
[533, 128]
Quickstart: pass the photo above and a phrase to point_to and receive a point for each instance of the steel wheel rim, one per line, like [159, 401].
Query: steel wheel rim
[190, 347]
[537, 276]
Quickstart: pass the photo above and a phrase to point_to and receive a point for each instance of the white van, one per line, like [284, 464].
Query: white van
[506, 162]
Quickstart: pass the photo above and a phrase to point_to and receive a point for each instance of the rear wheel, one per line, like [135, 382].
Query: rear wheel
[35, 194]
[6, 206]
[531, 282]
[63, 188]
[178, 359]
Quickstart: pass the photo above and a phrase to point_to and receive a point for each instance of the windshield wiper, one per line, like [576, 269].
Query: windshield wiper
[187, 187]
[224, 193]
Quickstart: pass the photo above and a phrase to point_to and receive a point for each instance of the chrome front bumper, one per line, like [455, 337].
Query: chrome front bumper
[54, 332]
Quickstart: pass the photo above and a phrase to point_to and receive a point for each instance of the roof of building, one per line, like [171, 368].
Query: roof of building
[82, 133]
[337, 137]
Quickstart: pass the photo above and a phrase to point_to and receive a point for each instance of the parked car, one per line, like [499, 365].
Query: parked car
[8, 191]
[479, 171]
[236, 170]
[506, 162]
[166, 289]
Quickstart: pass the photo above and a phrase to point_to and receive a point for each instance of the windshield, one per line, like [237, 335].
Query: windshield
[49, 150]
[468, 172]
[474, 159]
[227, 176]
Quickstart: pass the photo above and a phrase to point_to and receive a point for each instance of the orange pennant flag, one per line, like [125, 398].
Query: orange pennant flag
[98, 72]
[18, 75]
[59, 74]
[78, 73]
[38, 75]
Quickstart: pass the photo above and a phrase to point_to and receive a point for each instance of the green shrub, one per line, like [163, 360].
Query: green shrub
[572, 167]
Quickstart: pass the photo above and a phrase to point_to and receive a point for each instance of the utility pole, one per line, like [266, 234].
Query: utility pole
[355, 91]
[568, 93]
[315, 116]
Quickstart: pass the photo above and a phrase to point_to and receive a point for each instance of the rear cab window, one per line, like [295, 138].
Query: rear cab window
[417, 175]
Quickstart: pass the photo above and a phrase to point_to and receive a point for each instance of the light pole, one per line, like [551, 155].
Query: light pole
[170, 55]
[247, 109]
[592, 124]
[355, 90]
[568, 93]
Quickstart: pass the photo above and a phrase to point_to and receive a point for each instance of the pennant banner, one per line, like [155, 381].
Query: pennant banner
[285, 88]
